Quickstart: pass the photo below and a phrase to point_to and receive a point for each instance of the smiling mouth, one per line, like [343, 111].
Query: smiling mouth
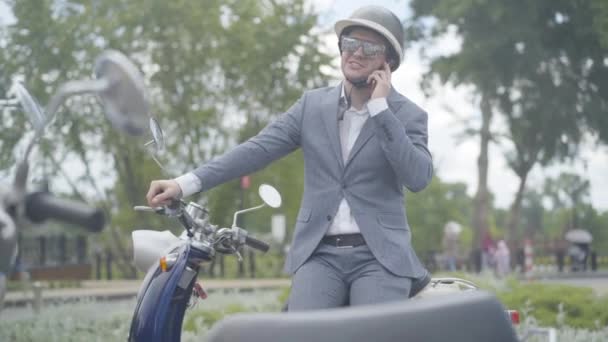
[356, 64]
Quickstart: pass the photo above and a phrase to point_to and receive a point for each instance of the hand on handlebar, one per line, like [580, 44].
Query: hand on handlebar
[163, 192]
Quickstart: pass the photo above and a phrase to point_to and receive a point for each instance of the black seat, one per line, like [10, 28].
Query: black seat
[468, 317]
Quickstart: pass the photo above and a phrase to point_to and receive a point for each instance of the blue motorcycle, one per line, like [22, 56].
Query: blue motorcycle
[172, 264]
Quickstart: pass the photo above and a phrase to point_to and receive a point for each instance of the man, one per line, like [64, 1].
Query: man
[362, 143]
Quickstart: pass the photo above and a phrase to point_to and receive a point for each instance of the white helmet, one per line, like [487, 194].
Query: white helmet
[382, 21]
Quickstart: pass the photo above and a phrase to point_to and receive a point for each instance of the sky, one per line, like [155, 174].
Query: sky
[455, 159]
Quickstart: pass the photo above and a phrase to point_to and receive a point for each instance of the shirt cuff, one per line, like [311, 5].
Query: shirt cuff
[189, 184]
[377, 106]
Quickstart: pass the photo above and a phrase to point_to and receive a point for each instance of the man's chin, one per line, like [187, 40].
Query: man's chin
[355, 76]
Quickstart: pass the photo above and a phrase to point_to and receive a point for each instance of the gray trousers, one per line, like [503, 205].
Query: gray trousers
[334, 277]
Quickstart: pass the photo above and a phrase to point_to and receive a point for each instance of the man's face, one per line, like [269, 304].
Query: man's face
[358, 64]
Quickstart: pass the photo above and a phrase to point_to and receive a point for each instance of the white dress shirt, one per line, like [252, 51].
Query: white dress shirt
[349, 128]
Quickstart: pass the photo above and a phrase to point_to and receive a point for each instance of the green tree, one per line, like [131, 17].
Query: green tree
[570, 192]
[539, 68]
[430, 210]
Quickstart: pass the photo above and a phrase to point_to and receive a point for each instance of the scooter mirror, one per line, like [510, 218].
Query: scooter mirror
[30, 106]
[123, 98]
[157, 135]
[270, 195]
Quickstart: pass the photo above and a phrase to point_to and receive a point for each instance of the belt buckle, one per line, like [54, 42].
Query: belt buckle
[341, 247]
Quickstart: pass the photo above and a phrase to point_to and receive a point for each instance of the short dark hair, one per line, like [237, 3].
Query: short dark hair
[391, 55]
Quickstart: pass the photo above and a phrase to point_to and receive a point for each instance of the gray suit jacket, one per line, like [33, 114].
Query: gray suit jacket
[390, 153]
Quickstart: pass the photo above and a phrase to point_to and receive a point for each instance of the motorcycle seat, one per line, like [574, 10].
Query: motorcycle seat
[468, 317]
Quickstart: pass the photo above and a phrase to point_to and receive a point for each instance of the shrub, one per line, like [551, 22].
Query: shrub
[558, 305]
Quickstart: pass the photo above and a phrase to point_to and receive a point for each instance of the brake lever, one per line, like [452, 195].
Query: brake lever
[157, 210]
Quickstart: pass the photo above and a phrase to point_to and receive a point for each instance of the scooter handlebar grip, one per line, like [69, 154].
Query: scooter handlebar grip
[257, 244]
[40, 206]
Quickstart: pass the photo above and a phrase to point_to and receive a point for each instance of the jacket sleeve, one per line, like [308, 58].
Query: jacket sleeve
[277, 139]
[404, 144]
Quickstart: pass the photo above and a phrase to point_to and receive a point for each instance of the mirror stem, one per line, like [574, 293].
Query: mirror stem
[245, 211]
[72, 88]
[21, 175]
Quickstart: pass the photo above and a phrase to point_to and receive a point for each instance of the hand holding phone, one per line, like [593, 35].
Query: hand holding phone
[380, 81]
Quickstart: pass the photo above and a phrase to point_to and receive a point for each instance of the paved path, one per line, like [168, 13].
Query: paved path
[124, 289]
[121, 289]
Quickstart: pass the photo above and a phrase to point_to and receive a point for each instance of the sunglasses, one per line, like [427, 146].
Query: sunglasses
[350, 45]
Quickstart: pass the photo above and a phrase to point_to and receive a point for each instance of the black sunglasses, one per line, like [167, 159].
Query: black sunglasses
[350, 44]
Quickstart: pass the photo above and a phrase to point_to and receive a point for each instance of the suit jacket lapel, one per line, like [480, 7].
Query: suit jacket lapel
[367, 130]
[330, 118]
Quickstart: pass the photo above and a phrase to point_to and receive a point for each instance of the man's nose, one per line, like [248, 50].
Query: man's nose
[359, 52]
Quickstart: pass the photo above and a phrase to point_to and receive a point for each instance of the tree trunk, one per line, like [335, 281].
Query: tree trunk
[514, 213]
[481, 201]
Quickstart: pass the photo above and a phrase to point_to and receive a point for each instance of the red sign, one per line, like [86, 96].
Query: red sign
[245, 182]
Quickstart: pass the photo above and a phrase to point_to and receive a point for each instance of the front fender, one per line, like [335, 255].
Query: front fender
[162, 301]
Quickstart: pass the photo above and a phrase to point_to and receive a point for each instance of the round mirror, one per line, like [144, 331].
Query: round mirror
[157, 135]
[124, 98]
[30, 106]
[270, 195]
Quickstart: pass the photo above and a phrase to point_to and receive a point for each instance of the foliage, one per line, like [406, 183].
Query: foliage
[430, 210]
[539, 68]
[582, 316]
[549, 305]
[88, 320]
[202, 319]
[558, 305]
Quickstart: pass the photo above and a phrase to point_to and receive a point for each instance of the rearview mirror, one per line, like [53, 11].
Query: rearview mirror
[123, 98]
[157, 135]
[270, 195]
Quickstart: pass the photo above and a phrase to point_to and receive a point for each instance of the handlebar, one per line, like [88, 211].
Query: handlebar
[40, 206]
[223, 240]
[257, 244]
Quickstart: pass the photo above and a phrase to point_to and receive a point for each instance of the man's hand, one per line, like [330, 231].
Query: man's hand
[161, 192]
[381, 81]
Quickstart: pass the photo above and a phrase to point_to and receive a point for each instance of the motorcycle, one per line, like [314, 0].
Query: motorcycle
[173, 264]
[119, 87]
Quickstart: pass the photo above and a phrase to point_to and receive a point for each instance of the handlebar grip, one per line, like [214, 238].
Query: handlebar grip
[257, 244]
[40, 206]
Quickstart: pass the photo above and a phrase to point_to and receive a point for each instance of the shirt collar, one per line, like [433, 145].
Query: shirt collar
[363, 111]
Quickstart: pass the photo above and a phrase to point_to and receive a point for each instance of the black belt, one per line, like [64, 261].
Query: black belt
[344, 240]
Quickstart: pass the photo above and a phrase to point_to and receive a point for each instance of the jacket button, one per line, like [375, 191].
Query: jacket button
[328, 217]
